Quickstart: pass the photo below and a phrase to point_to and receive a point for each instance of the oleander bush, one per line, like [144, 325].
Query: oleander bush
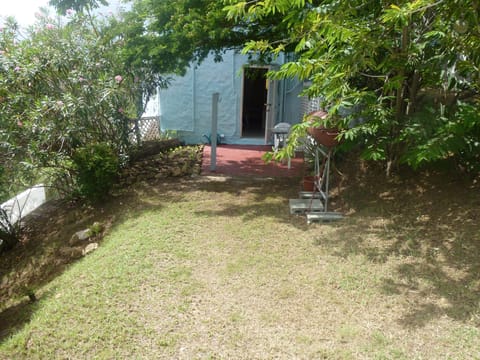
[63, 87]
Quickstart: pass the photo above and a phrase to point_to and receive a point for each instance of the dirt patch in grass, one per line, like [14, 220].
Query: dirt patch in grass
[217, 268]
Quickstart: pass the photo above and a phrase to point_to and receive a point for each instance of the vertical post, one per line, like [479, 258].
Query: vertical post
[213, 136]
[327, 175]
[138, 135]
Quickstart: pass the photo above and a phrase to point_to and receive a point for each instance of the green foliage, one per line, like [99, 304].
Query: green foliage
[62, 87]
[436, 136]
[77, 5]
[9, 232]
[373, 63]
[97, 168]
[382, 67]
[399, 76]
[168, 36]
[96, 228]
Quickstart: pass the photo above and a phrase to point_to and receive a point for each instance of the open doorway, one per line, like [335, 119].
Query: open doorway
[255, 96]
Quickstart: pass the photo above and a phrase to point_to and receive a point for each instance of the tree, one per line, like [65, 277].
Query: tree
[402, 77]
[77, 5]
[406, 74]
[168, 36]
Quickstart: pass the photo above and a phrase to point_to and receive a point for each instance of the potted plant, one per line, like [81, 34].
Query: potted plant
[308, 183]
[322, 128]
[325, 129]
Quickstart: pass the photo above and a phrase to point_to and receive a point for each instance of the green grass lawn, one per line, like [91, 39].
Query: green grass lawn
[204, 268]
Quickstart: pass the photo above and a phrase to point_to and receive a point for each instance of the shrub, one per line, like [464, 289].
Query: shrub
[97, 166]
[9, 233]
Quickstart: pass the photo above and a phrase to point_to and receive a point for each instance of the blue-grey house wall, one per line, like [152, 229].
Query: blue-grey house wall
[186, 106]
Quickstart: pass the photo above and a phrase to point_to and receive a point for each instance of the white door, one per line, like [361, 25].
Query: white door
[271, 109]
[259, 103]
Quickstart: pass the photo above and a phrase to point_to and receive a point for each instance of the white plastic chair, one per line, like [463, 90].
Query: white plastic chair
[280, 134]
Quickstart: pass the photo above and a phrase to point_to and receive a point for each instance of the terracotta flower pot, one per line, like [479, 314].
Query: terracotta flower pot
[324, 136]
[309, 183]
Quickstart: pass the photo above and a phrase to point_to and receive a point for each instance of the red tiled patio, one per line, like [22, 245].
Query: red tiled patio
[246, 160]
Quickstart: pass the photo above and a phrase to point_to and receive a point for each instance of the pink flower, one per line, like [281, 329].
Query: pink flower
[69, 11]
[81, 79]
[50, 26]
[118, 79]
[59, 103]
[17, 68]
[121, 111]
[19, 123]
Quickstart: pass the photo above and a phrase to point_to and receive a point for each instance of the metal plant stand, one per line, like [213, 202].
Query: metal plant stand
[321, 186]
[314, 204]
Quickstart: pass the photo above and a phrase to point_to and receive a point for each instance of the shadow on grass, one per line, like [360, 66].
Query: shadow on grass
[430, 222]
[15, 317]
[46, 253]
[253, 198]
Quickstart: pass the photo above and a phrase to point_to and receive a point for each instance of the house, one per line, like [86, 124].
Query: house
[249, 104]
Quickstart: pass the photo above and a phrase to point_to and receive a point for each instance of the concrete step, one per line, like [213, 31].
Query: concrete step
[309, 194]
[301, 206]
[323, 216]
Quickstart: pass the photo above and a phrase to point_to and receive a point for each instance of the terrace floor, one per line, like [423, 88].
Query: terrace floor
[246, 160]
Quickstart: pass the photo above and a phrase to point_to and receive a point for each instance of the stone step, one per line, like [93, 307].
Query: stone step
[323, 216]
[309, 194]
[301, 206]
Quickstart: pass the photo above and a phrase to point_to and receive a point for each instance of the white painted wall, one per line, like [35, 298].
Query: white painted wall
[186, 105]
[25, 202]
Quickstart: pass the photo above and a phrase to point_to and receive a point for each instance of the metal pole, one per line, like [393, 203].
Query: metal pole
[327, 181]
[213, 136]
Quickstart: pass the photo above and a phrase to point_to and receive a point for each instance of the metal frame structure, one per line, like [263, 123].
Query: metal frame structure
[322, 186]
[314, 204]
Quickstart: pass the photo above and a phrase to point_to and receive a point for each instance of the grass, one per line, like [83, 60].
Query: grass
[218, 269]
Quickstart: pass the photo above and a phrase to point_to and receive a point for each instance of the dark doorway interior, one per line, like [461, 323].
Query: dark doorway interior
[254, 100]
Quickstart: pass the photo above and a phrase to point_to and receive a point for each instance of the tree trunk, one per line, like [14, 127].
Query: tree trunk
[413, 90]
[401, 91]
[400, 97]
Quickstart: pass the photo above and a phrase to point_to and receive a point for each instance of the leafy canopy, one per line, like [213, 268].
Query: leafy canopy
[403, 77]
[78, 5]
[169, 36]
